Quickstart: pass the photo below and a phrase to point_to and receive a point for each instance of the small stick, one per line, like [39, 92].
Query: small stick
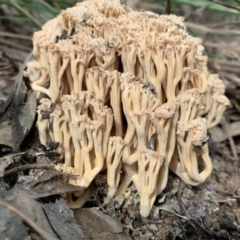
[224, 23]
[28, 167]
[27, 220]
[234, 151]
[168, 7]
[11, 61]
[230, 139]
[12, 156]
[184, 211]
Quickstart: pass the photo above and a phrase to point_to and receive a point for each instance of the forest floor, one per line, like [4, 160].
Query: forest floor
[208, 211]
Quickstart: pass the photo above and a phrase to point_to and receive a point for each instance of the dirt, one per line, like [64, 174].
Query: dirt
[209, 211]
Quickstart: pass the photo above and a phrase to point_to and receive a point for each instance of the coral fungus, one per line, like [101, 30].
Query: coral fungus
[132, 89]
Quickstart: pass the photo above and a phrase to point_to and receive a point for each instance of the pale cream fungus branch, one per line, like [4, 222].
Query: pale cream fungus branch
[55, 71]
[162, 119]
[219, 104]
[42, 123]
[38, 75]
[57, 120]
[115, 100]
[114, 164]
[98, 82]
[76, 111]
[129, 55]
[150, 50]
[104, 115]
[149, 164]
[190, 106]
[105, 54]
[138, 102]
[214, 101]
[80, 56]
[131, 104]
[192, 150]
[68, 149]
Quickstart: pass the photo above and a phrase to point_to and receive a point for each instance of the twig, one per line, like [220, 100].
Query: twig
[224, 24]
[231, 77]
[230, 69]
[229, 63]
[151, 5]
[12, 156]
[20, 55]
[11, 61]
[14, 44]
[180, 203]
[234, 151]
[28, 167]
[168, 7]
[14, 35]
[148, 228]
[236, 105]
[211, 30]
[227, 200]
[230, 139]
[225, 46]
[184, 211]
[27, 220]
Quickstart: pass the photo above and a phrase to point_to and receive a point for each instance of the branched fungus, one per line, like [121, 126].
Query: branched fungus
[192, 150]
[125, 93]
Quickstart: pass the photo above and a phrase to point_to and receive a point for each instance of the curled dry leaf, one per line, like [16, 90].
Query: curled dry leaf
[17, 115]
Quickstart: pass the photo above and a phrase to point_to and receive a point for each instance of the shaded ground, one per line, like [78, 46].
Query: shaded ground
[210, 211]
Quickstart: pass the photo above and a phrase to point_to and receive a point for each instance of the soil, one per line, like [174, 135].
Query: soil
[209, 211]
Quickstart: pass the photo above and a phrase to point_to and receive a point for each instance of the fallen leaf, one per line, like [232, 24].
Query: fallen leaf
[17, 114]
[97, 225]
[33, 210]
[62, 220]
[222, 234]
[11, 226]
[46, 184]
[172, 208]
[18, 118]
